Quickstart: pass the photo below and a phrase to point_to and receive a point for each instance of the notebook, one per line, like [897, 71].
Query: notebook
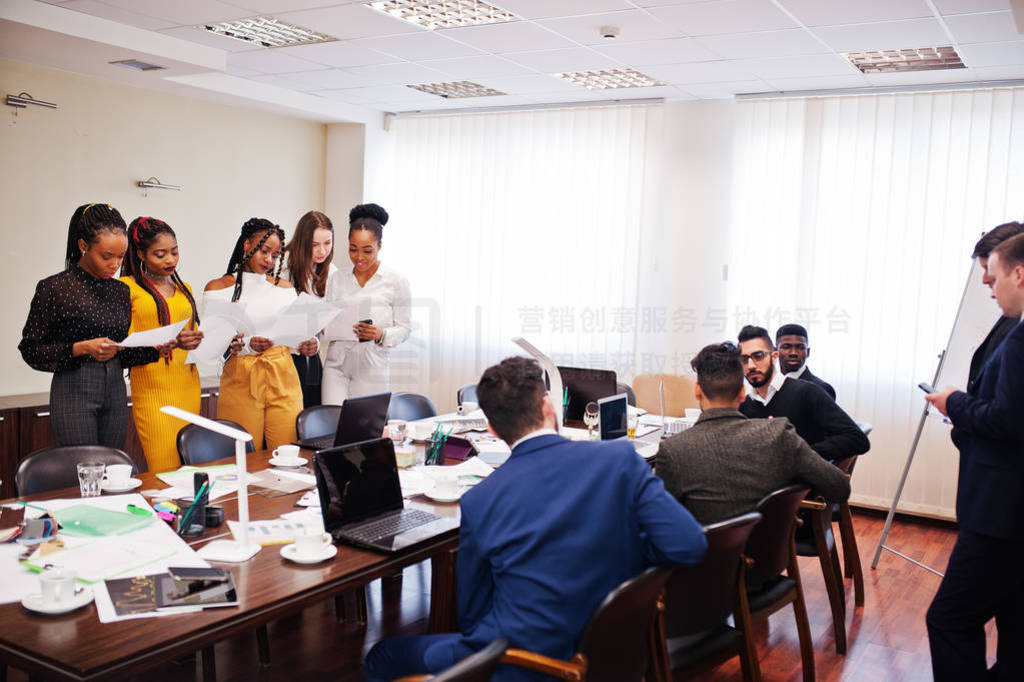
[361, 418]
[361, 499]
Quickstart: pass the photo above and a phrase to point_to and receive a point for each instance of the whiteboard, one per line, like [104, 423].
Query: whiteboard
[977, 314]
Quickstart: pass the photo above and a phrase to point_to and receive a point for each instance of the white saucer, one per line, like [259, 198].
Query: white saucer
[289, 552]
[291, 463]
[34, 602]
[108, 487]
[444, 498]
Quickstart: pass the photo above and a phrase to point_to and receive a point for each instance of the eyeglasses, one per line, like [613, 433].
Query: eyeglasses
[756, 356]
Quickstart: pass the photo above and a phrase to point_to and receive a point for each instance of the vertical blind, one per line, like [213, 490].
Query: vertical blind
[858, 215]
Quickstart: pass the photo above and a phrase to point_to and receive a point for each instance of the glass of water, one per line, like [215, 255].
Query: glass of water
[90, 476]
[396, 431]
[590, 418]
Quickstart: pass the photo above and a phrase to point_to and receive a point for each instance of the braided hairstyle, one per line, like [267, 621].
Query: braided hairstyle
[142, 233]
[300, 254]
[87, 222]
[370, 217]
[240, 257]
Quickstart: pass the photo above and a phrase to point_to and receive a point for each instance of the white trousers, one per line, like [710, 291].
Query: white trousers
[353, 369]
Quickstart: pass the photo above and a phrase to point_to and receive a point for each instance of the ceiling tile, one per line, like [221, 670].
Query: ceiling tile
[671, 51]
[277, 6]
[183, 12]
[123, 16]
[724, 90]
[198, 35]
[528, 85]
[468, 68]
[724, 16]
[329, 79]
[561, 61]
[516, 36]
[402, 73]
[350, 21]
[966, 6]
[784, 43]
[818, 83]
[275, 80]
[418, 46]
[834, 12]
[391, 93]
[983, 28]
[993, 54]
[920, 77]
[998, 73]
[270, 61]
[339, 53]
[799, 67]
[633, 25]
[544, 9]
[885, 35]
[698, 72]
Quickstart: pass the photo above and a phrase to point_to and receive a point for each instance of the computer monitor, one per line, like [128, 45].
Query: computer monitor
[584, 386]
[613, 416]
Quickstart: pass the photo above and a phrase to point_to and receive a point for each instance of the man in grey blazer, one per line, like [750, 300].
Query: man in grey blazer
[726, 463]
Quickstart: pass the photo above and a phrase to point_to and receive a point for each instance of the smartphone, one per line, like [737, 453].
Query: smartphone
[926, 387]
[183, 573]
[365, 322]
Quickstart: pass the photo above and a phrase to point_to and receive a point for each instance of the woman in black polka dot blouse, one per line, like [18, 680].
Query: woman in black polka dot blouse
[74, 319]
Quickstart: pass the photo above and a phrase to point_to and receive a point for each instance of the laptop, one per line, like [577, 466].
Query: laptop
[361, 499]
[613, 424]
[584, 386]
[361, 418]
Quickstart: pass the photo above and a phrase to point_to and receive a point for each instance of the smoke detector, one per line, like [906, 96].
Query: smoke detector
[609, 32]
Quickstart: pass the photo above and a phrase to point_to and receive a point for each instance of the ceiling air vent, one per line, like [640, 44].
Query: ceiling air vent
[608, 79]
[914, 59]
[456, 89]
[446, 14]
[137, 65]
[268, 32]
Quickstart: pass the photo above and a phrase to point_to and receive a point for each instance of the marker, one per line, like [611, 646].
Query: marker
[31, 506]
[132, 509]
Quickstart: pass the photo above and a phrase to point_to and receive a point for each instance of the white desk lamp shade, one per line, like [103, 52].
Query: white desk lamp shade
[554, 377]
[231, 551]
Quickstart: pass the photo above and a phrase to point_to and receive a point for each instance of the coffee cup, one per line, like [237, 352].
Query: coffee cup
[118, 475]
[310, 542]
[287, 453]
[422, 430]
[692, 413]
[57, 585]
[445, 486]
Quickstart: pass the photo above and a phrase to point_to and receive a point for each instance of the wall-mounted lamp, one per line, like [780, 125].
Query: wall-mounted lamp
[24, 99]
[154, 182]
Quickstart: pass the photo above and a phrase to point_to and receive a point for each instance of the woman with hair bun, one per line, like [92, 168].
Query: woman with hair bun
[74, 317]
[355, 368]
[259, 388]
[309, 268]
[159, 298]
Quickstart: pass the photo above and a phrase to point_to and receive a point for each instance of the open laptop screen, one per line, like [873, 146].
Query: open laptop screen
[362, 418]
[357, 481]
[612, 414]
[584, 386]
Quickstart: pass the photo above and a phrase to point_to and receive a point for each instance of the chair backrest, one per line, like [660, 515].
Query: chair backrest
[57, 467]
[475, 668]
[466, 393]
[410, 406]
[702, 596]
[628, 390]
[615, 638]
[678, 393]
[197, 445]
[769, 542]
[316, 421]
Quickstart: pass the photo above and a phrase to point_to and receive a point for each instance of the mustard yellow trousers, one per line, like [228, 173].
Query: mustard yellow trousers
[262, 393]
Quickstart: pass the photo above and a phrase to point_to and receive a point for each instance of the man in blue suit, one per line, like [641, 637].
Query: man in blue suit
[545, 537]
[985, 578]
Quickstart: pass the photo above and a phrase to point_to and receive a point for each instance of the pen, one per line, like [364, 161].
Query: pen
[31, 506]
[138, 510]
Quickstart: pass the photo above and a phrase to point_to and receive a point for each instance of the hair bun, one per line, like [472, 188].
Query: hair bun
[375, 211]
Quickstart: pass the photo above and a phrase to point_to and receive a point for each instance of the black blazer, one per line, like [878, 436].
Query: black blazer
[827, 387]
[998, 332]
[990, 421]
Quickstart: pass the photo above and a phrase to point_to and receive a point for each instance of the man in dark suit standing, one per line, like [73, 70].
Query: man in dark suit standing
[791, 340]
[725, 464]
[545, 537]
[984, 578]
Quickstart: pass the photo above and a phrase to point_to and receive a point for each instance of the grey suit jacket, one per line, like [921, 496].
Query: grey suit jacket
[726, 463]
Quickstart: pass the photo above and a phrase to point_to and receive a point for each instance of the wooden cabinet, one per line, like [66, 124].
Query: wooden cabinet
[8, 451]
[34, 431]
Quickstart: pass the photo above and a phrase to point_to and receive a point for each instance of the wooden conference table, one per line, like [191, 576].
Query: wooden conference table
[76, 646]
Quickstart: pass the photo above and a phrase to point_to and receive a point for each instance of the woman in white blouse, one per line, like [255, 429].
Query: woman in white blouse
[352, 367]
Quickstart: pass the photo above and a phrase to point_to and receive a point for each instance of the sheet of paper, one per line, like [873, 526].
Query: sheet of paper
[300, 321]
[101, 558]
[220, 321]
[275, 531]
[340, 328]
[153, 337]
[223, 479]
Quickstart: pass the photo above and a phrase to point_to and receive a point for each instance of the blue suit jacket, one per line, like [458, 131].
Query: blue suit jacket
[989, 420]
[546, 536]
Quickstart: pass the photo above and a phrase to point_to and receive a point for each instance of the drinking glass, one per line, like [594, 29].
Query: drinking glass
[90, 475]
[396, 431]
[590, 418]
[632, 421]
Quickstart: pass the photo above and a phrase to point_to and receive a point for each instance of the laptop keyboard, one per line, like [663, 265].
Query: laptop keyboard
[391, 525]
[319, 443]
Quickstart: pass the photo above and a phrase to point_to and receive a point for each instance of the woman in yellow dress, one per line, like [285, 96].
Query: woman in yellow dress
[160, 297]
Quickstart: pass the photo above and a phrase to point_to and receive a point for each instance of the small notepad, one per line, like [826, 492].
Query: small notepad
[85, 521]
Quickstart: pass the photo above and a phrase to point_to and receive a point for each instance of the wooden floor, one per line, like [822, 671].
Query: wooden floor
[887, 637]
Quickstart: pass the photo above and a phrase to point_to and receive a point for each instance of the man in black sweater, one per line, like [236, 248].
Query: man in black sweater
[791, 340]
[816, 417]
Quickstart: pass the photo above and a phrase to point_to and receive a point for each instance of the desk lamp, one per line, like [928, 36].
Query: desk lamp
[554, 376]
[226, 550]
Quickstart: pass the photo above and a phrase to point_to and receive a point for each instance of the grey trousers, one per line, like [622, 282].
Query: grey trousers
[89, 405]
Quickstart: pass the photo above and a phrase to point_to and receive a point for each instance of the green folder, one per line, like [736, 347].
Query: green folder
[86, 521]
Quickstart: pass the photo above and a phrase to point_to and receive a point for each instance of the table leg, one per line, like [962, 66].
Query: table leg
[209, 665]
[442, 592]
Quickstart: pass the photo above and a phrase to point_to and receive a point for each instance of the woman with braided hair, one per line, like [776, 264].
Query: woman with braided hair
[259, 388]
[72, 323]
[159, 298]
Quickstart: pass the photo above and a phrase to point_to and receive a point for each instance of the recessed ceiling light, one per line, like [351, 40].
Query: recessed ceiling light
[456, 89]
[444, 14]
[608, 79]
[137, 65]
[914, 59]
[267, 31]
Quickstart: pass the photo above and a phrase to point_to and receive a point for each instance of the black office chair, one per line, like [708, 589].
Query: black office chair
[56, 467]
[316, 421]
[476, 668]
[197, 444]
[466, 393]
[410, 406]
[695, 637]
[628, 390]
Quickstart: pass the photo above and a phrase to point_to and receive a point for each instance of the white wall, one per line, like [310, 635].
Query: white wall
[233, 163]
